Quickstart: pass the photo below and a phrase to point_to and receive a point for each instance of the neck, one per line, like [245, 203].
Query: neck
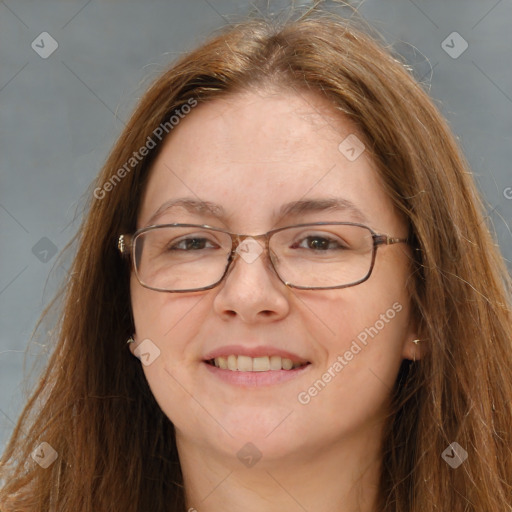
[343, 477]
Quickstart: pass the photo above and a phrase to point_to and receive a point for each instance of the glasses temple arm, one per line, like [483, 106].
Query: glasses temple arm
[389, 240]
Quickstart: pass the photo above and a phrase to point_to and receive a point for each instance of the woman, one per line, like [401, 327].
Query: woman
[288, 240]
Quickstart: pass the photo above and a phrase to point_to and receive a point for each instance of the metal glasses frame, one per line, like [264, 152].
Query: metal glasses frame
[126, 244]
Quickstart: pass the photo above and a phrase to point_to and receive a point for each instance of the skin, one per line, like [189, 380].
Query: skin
[251, 152]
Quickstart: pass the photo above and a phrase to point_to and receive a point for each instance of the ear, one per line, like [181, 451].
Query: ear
[132, 345]
[414, 348]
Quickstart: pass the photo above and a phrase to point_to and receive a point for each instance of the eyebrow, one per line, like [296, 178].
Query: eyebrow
[292, 209]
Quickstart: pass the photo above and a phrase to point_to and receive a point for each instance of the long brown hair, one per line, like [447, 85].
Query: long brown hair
[116, 448]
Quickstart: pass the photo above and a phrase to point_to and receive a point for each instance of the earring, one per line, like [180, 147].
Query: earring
[414, 354]
[130, 340]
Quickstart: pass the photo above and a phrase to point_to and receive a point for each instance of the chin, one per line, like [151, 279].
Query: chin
[269, 432]
[248, 446]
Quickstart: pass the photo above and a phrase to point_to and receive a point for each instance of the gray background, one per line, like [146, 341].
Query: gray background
[61, 114]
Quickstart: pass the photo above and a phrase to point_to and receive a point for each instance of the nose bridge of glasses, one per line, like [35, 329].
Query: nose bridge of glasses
[249, 248]
[240, 238]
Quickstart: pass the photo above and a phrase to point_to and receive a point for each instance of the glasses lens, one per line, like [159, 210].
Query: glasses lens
[181, 258]
[329, 255]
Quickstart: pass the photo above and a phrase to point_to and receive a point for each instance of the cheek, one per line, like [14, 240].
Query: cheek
[361, 313]
[171, 323]
[164, 317]
[361, 331]
[361, 359]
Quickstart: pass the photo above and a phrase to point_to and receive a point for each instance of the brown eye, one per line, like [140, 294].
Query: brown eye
[319, 243]
[190, 244]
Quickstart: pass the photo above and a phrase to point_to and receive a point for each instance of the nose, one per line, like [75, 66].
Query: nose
[251, 289]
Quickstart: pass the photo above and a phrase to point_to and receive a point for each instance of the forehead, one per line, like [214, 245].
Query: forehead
[252, 152]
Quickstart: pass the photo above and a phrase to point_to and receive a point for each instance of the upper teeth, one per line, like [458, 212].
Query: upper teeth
[254, 364]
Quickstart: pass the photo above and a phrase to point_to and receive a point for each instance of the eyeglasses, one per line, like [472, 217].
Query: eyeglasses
[191, 257]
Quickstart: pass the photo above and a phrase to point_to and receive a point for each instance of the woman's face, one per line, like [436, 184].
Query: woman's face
[250, 154]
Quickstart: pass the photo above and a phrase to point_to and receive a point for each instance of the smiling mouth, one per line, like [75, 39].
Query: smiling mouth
[255, 364]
